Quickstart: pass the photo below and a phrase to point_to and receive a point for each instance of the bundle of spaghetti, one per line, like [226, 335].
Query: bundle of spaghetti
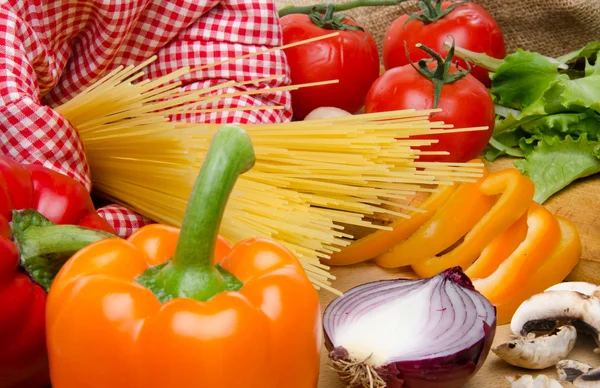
[310, 180]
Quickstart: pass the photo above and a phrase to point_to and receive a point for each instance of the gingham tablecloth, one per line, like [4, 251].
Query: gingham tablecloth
[50, 50]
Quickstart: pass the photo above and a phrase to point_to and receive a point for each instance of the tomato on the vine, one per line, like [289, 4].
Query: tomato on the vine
[464, 101]
[351, 58]
[472, 27]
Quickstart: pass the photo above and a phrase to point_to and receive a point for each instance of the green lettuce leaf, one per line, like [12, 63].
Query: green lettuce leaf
[523, 78]
[509, 123]
[505, 143]
[592, 68]
[554, 165]
[585, 52]
[575, 95]
[563, 124]
[566, 95]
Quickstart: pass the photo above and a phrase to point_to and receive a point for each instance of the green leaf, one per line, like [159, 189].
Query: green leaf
[567, 95]
[522, 78]
[506, 124]
[553, 166]
[585, 52]
[564, 124]
[505, 143]
[527, 144]
[592, 67]
[578, 93]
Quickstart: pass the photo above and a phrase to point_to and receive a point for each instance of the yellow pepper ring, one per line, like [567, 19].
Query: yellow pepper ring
[554, 270]
[498, 250]
[516, 195]
[383, 240]
[451, 222]
[543, 236]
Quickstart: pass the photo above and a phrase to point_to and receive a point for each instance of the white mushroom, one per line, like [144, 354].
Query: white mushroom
[591, 379]
[538, 352]
[569, 370]
[527, 381]
[543, 311]
[326, 112]
[582, 287]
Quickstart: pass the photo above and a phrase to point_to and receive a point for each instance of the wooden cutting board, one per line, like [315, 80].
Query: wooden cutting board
[580, 203]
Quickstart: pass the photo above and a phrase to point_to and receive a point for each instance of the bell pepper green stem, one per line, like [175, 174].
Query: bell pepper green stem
[191, 272]
[44, 247]
[322, 7]
[230, 155]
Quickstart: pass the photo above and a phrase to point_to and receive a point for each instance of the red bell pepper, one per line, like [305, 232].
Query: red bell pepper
[32, 250]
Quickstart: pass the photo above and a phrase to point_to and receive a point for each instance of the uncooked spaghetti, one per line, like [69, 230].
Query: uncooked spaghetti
[310, 178]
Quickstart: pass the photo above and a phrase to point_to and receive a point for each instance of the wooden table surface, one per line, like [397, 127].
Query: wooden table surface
[581, 204]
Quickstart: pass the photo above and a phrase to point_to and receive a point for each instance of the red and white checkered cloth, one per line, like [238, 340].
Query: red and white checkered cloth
[52, 50]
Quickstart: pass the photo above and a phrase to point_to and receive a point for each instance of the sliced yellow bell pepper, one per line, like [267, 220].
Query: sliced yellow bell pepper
[554, 270]
[543, 236]
[451, 222]
[498, 250]
[516, 195]
[383, 240]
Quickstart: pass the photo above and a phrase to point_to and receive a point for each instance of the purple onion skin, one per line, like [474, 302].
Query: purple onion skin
[452, 371]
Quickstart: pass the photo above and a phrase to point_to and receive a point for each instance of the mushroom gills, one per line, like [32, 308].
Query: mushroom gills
[544, 311]
[569, 370]
[591, 379]
[541, 352]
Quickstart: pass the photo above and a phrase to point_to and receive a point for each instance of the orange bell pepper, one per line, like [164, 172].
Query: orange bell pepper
[554, 270]
[382, 241]
[154, 310]
[543, 236]
[452, 221]
[516, 195]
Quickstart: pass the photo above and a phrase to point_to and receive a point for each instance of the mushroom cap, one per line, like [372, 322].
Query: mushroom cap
[582, 287]
[539, 352]
[543, 311]
[527, 381]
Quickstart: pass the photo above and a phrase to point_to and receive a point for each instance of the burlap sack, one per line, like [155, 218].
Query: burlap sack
[551, 27]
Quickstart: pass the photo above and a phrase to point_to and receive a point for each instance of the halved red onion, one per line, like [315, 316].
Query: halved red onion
[434, 332]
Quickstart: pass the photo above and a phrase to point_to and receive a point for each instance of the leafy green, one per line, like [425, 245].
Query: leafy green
[585, 52]
[592, 68]
[556, 128]
[510, 122]
[552, 165]
[574, 95]
[505, 143]
[564, 124]
[522, 78]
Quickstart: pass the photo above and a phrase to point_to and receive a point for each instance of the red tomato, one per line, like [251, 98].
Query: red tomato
[351, 57]
[472, 27]
[464, 103]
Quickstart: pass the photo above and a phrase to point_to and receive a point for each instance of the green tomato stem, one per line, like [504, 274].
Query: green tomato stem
[322, 7]
[431, 11]
[439, 75]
